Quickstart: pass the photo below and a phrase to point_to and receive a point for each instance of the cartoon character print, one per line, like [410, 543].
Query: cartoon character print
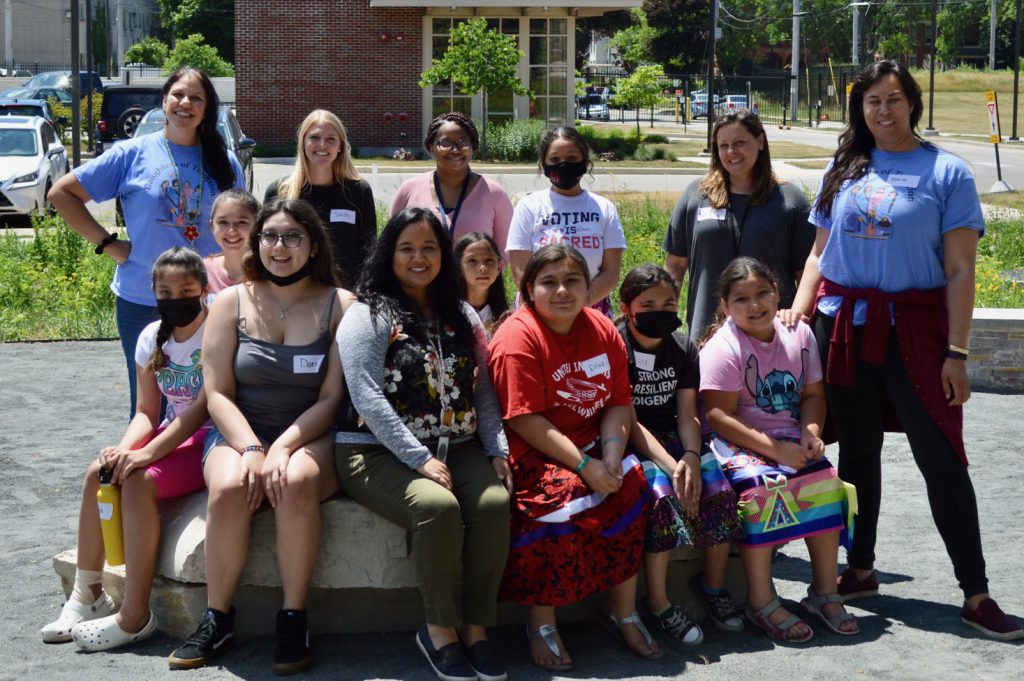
[778, 390]
[871, 207]
[182, 206]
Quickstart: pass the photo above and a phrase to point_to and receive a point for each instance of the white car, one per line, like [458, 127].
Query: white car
[31, 160]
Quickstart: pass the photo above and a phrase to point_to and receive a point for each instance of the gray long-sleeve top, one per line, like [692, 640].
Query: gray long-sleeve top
[363, 344]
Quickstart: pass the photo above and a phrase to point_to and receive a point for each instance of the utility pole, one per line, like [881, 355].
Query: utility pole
[88, 71]
[855, 46]
[8, 38]
[992, 37]
[119, 34]
[930, 130]
[794, 73]
[709, 87]
[1016, 69]
[76, 90]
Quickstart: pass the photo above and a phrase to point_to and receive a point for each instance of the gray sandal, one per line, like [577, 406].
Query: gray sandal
[614, 625]
[546, 632]
[815, 604]
[780, 631]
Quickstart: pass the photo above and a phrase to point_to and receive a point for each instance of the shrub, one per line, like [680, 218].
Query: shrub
[516, 140]
[655, 139]
[643, 153]
[623, 146]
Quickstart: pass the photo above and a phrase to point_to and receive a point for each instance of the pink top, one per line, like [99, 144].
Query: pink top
[486, 207]
[216, 274]
[769, 377]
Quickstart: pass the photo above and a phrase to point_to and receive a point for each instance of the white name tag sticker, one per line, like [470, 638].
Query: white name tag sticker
[343, 215]
[596, 365]
[307, 364]
[908, 181]
[644, 361]
[709, 213]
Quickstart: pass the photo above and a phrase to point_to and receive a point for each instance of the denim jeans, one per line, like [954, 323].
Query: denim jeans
[131, 320]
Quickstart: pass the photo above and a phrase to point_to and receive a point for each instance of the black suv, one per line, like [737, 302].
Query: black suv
[122, 109]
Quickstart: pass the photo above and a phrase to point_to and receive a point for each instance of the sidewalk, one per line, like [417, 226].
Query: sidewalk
[63, 401]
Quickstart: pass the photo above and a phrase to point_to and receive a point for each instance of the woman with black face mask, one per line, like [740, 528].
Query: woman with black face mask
[696, 507]
[568, 214]
[155, 459]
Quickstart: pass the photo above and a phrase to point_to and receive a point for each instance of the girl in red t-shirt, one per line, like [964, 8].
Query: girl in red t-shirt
[579, 510]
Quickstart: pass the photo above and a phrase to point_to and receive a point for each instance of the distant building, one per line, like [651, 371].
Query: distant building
[39, 31]
[362, 59]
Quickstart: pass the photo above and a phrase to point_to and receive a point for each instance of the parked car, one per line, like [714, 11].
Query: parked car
[61, 95]
[15, 73]
[31, 107]
[699, 103]
[730, 103]
[31, 160]
[122, 109]
[62, 79]
[592, 106]
[228, 127]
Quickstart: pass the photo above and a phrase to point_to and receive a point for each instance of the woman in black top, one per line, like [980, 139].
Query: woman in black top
[325, 177]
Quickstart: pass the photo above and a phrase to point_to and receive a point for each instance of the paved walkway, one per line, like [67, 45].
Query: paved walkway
[63, 401]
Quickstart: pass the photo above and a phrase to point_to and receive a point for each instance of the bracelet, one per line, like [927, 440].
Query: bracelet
[583, 462]
[956, 354]
[109, 239]
[253, 448]
[962, 351]
[691, 451]
[609, 440]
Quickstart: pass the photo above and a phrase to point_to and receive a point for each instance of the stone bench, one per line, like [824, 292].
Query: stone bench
[364, 578]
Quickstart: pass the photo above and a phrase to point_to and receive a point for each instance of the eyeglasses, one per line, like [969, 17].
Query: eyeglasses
[445, 144]
[289, 239]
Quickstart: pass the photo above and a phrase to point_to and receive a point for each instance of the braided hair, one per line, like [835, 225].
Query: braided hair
[458, 118]
[189, 261]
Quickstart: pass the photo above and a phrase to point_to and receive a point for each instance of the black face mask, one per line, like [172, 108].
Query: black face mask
[292, 278]
[565, 174]
[179, 311]
[658, 324]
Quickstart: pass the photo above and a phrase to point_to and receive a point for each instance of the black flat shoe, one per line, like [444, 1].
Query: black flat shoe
[486, 661]
[448, 663]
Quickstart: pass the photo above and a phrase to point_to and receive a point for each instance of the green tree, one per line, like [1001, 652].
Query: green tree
[215, 19]
[640, 89]
[478, 59]
[192, 51]
[680, 42]
[634, 42]
[100, 40]
[152, 51]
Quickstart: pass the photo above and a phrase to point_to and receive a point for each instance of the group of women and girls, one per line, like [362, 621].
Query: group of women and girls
[543, 454]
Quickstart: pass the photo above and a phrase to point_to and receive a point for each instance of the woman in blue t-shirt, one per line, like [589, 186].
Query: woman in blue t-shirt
[898, 227]
[167, 184]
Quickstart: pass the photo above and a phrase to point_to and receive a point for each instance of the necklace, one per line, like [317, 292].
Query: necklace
[284, 308]
[186, 217]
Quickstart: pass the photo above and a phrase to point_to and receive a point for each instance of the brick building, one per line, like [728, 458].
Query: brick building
[362, 59]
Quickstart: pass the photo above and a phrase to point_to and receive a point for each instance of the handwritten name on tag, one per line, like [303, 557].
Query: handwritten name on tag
[343, 215]
[644, 361]
[596, 365]
[709, 213]
[307, 364]
[908, 181]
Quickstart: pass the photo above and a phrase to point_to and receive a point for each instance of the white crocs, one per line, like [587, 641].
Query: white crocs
[104, 634]
[73, 612]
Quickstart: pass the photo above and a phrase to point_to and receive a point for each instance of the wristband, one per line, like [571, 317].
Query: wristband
[691, 451]
[609, 440]
[962, 351]
[582, 464]
[956, 354]
[253, 448]
[107, 240]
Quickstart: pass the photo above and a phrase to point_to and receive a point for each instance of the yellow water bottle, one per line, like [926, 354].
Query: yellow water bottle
[108, 498]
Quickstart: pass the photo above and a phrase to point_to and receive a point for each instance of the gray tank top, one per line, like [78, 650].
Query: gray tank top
[276, 383]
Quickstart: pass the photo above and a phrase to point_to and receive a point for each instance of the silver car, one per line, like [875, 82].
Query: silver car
[31, 160]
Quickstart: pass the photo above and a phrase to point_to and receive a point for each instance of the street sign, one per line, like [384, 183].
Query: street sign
[994, 136]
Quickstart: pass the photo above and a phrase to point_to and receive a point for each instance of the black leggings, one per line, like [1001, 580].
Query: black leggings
[856, 414]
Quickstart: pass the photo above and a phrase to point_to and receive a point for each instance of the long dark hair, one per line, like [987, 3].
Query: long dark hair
[192, 263]
[544, 256]
[739, 269]
[320, 255]
[856, 141]
[496, 299]
[215, 153]
[715, 184]
[379, 288]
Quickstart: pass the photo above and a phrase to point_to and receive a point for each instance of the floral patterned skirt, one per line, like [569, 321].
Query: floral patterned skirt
[717, 521]
[778, 504]
[567, 541]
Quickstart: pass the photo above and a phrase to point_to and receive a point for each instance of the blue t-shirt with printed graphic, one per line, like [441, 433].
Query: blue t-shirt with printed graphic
[886, 228]
[162, 204]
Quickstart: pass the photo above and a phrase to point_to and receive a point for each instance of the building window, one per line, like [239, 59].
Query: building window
[445, 96]
[549, 70]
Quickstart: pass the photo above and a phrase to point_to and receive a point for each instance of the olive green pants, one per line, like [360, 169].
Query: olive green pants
[464, 529]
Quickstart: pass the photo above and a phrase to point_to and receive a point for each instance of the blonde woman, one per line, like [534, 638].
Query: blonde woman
[325, 176]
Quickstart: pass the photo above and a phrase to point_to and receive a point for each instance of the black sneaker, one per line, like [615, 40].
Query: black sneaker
[448, 663]
[214, 635]
[719, 606]
[292, 654]
[486, 661]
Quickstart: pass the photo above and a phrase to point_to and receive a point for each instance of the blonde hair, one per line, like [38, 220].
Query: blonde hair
[343, 168]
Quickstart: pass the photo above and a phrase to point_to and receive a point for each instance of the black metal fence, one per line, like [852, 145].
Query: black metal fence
[821, 95]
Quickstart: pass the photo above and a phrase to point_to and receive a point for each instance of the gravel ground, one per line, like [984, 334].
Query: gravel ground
[51, 429]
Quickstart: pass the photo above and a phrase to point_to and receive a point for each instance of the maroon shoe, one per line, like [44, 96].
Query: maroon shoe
[850, 586]
[990, 620]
